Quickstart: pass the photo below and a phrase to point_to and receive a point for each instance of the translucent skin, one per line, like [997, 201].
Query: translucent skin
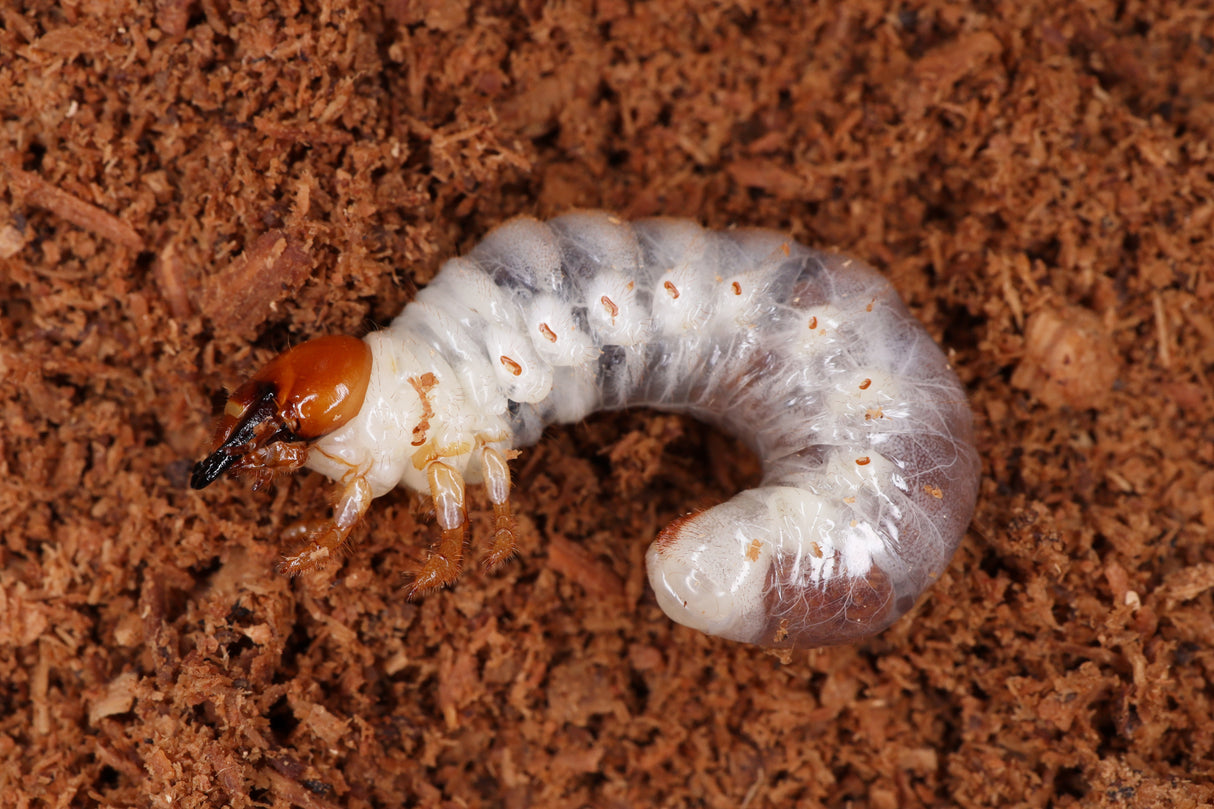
[869, 471]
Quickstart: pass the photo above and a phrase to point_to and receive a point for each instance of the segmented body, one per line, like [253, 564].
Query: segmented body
[863, 432]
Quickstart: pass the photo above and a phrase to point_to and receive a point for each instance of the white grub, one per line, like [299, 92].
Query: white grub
[863, 431]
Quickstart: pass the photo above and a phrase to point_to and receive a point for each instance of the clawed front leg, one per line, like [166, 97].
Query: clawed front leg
[323, 538]
[497, 484]
[446, 561]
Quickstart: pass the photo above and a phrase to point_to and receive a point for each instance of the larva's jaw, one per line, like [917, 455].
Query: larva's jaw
[301, 395]
[249, 422]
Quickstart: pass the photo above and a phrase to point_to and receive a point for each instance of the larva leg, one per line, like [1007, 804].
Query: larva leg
[323, 538]
[497, 484]
[446, 561]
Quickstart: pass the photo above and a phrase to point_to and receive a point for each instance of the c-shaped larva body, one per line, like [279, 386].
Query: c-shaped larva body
[869, 470]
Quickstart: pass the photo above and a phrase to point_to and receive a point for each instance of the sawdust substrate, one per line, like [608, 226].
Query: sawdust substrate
[187, 188]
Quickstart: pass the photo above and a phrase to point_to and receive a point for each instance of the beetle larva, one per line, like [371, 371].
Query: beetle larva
[862, 429]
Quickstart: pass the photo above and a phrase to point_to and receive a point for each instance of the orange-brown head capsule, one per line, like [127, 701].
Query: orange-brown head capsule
[302, 394]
